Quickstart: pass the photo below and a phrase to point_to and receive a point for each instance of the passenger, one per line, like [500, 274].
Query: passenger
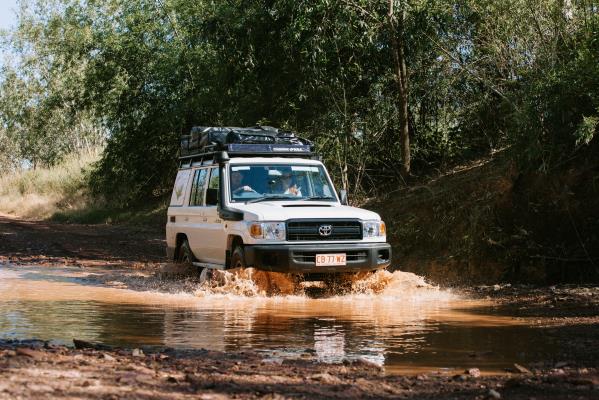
[289, 186]
[237, 186]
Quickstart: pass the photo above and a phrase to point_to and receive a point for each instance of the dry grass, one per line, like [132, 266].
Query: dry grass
[40, 193]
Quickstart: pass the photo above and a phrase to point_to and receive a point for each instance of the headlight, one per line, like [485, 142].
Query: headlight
[374, 229]
[268, 230]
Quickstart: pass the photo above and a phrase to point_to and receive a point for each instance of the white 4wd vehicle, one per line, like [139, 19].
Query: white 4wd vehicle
[270, 206]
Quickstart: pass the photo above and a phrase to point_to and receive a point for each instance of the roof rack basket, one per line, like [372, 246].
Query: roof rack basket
[205, 143]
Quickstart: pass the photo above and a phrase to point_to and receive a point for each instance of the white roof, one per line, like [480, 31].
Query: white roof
[273, 160]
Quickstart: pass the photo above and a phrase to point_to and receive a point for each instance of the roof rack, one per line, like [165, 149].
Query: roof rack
[204, 144]
[250, 150]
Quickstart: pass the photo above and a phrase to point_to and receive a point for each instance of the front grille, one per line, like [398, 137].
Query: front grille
[310, 256]
[309, 230]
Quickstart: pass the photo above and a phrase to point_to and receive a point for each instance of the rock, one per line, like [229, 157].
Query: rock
[143, 370]
[137, 353]
[493, 394]
[84, 344]
[362, 362]
[40, 388]
[460, 377]
[325, 378]
[422, 377]
[521, 369]
[561, 364]
[558, 371]
[108, 357]
[24, 351]
[172, 379]
[474, 372]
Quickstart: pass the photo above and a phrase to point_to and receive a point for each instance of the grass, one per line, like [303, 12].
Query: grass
[39, 193]
[154, 215]
[60, 194]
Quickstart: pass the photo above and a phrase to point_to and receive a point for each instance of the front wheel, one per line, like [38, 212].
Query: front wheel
[238, 258]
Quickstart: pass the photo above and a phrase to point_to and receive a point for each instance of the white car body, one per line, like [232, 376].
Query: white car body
[212, 237]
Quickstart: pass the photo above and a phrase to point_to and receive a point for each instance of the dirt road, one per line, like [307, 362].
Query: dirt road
[47, 243]
[34, 369]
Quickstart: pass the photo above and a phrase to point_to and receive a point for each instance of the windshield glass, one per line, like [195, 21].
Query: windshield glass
[258, 182]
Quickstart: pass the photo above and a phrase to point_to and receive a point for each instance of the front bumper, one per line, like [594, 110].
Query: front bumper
[300, 258]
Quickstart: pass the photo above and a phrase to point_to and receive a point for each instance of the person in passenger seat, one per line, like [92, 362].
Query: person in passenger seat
[289, 184]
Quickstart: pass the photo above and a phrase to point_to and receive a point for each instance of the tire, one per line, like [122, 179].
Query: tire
[182, 266]
[238, 258]
[185, 255]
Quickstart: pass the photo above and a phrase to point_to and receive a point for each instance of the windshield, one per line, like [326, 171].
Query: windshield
[260, 182]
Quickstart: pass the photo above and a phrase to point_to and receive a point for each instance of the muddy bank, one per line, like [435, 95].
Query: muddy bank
[491, 222]
[36, 369]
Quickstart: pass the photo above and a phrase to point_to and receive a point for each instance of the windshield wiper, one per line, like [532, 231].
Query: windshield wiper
[320, 198]
[274, 197]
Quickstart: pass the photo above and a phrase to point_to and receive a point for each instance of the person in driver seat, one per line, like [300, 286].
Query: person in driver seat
[237, 178]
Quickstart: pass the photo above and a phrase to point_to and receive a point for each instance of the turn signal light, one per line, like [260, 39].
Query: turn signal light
[256, 230]
[382, 229]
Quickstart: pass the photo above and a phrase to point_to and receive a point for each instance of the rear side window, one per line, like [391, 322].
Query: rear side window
[178, 195]
[198, 188]
[212, 192]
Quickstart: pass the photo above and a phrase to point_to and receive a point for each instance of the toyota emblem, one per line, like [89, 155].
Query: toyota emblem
[325, 230]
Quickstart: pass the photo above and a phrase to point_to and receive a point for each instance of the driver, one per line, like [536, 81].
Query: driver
[237, 183]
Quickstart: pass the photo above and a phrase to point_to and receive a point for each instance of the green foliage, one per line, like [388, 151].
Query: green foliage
[586, 130]
[481, 74]
[41, 104]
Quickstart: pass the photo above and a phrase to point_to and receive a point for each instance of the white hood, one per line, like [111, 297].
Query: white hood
[284, 210]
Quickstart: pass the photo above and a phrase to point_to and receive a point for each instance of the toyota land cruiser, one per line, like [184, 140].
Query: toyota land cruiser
[259, 197]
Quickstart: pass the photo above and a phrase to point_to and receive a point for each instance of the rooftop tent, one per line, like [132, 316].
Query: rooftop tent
[258, 140]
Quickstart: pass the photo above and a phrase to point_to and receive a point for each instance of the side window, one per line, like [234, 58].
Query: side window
[178, 195]
[197, 188]
[212, 192]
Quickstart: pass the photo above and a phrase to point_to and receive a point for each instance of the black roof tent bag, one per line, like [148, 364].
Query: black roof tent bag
[204, 139]
[264, 135]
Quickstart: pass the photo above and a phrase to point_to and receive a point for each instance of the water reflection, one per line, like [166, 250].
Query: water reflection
[412, 329]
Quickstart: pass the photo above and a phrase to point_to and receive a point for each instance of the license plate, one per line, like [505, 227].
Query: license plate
[323, 260]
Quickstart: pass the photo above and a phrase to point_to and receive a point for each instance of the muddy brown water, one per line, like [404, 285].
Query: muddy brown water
[404, 325]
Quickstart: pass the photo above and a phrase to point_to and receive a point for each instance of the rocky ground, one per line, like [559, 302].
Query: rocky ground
[34, 369]
[38, 370]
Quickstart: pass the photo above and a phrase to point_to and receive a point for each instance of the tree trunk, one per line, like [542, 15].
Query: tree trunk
[396, 33]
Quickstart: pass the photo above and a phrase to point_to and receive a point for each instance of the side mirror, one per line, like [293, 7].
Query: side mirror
[343, 197]
[211, 197]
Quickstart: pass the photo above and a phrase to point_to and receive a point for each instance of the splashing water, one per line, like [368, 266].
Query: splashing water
[248, 282]
[252, 283]
[381, 284]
